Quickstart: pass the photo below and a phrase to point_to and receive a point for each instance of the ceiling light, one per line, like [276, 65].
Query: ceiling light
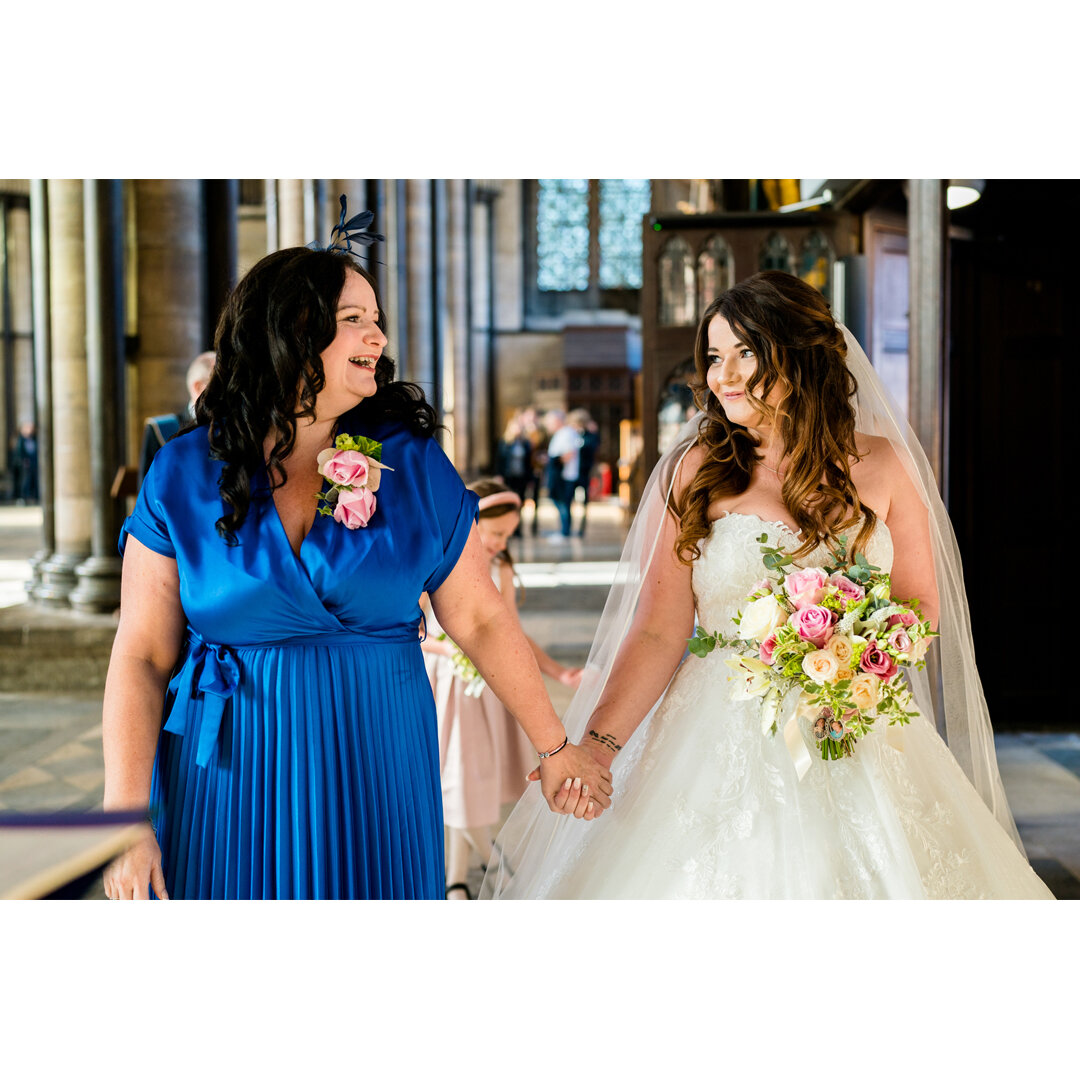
[963, 193]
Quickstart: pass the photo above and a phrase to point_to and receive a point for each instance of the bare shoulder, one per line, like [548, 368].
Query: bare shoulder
[878, 462]
[688, 468]
[879, 476]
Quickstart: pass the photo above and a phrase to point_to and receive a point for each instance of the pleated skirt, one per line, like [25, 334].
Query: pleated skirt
[324, 783]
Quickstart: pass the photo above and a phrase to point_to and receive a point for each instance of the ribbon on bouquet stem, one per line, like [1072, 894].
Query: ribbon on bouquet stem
[773, 708]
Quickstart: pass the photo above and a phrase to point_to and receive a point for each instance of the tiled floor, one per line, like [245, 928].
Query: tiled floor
[50, 744]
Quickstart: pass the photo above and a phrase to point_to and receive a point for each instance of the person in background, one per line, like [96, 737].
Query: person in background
[160, 429]
[25, 465]
[484, 755]
[564, 456]
[514, 462]
[589, 431]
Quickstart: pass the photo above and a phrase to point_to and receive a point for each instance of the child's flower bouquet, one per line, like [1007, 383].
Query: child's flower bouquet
[352, 467]
[835, 634]
[465, 670]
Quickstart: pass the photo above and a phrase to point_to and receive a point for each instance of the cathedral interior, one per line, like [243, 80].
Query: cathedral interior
[507, 294]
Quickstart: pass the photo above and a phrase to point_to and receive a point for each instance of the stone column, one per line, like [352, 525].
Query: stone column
[290, 213]
[419, 365]
[271, 200]
[392, 277]
[171, 287]
[926, 262]
[39, 270]
[457, 393]
[99, 576]
[72, 498]
[221, 199]
[927, 224]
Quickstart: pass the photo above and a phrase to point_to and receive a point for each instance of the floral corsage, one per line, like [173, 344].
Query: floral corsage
[352, 468]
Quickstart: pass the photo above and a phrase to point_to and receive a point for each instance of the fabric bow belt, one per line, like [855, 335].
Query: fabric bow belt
[212, 673]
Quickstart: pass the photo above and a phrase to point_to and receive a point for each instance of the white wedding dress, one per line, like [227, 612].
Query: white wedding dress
[708, 806]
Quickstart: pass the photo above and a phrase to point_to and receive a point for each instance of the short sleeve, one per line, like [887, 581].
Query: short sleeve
[454, 511]
[148, 523]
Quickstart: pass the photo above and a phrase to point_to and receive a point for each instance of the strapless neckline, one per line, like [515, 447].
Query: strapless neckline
[793, 533]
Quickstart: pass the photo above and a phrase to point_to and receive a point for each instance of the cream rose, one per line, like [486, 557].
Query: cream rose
[761, 618]
[919, 649]
[821, 666]
[842, 647]
[865, 691]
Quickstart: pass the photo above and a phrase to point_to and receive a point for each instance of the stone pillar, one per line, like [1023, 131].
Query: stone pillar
[420, 362]
[457, 393]
[926, 261]
[271, 201]
[39, 270]
[221, 199]
[927, 224]
[99, 576]
[171, 287]
[392, 277]
[72, 497]
[290, 213]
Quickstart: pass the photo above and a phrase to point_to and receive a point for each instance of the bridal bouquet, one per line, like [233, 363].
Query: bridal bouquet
[837, 635]
[465, 670]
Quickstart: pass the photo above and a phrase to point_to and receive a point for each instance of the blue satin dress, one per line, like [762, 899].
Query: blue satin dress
[299, 755]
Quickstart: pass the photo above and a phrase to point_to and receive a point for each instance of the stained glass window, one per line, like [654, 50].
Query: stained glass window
[623, 203]
[815, 263]
[677, 293]
[715, 272]
[562, 235]
[776, 254]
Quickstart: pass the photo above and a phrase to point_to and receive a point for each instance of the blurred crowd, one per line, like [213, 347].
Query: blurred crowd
[552, 454]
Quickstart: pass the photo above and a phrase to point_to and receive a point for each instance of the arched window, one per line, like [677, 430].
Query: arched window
[776, 254]
[816, 263]
[715, 272]
[677, 292]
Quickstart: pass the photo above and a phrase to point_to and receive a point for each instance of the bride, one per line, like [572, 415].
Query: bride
[797, 441]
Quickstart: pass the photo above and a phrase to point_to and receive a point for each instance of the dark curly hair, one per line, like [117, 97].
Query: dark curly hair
[275, 325]
[800, 349]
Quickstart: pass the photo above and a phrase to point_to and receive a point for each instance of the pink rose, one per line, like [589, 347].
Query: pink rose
[768, 649]
[354, 508]
[347, 468]
[848, 588]
[899, 640]
[806, 587]
[814, 624]
[876, 662]
[905, 618]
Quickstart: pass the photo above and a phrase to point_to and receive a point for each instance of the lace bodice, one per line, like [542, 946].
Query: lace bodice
[730, 564]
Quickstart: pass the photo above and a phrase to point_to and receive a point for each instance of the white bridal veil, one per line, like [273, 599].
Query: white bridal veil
[536, 846]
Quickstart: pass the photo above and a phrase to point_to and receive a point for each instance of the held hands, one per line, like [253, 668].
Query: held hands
[128, 876]
[575, 781]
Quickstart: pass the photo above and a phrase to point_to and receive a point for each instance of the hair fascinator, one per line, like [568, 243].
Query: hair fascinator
[346, 233]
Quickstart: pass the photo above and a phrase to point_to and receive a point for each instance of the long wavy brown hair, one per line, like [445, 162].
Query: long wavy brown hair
[800, 349]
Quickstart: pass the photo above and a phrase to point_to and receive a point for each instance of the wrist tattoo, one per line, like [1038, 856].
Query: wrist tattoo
[605, 741]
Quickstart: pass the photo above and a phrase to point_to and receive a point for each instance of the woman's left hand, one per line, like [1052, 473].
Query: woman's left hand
[577, 784]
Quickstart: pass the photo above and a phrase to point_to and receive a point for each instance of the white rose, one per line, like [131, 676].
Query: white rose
[919, 649]
[761, 618]
[821, 666]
